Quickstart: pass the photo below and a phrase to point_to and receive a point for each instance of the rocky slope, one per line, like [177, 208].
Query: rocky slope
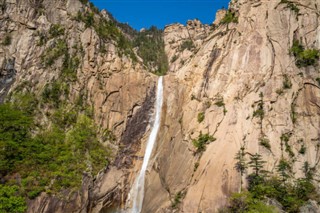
[235, 80]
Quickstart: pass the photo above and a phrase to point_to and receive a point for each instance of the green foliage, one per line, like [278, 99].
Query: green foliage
[290, 194]
[64, 118]
[51, 55]
[318, 80]
[229, 18]
[256, 163]
[304, 57]
[285, 138]
[241, 164]
[42, 38]
[259, 112]
[10, 200]
[25, 102]
[108, 136]
[7, 40]
[219, 103]
[94, 8]
[245, 202]
[107, 30]
[51, 155]
[56, 30]
[173, 59]
[150, 46]
[303, 149]
[84, 1]
[69, 67]
[201, 141]
[284, 169]
[265, 142]
[308, 171]
[87, 18]
[177, 199]
[53, 93]
[292, 6]
[187, 44]
[286, 84]
[201, 117]
[14, 134]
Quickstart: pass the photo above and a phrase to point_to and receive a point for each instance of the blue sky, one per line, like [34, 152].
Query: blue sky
[145, 13]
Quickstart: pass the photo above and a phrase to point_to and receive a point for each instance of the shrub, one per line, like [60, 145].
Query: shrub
[10, 200]
[177, 199]
[53, 93]
[265, 143]
[56, 30]
[219, 103]
[259, 112]
[70, 66]
[188, 44]
[87, 18]
[292, 6]
[201, 117]
[7, 40]
[51, 55]
[304, 57]
[201, 141]
[229, 18]
[174, 58]
[286, 84]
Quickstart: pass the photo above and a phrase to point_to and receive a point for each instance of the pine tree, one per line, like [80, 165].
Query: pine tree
[241, 164]
[284, 169]
[256, 163]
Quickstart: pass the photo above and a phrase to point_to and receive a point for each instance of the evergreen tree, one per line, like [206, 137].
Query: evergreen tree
[284, 169]
[256, 163]
[241, 164]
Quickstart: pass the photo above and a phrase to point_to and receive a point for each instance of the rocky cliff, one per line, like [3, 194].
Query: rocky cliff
[250, 81]
[248, 88]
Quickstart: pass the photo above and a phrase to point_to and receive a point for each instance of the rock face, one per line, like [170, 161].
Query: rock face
[119, 90]
[234, 63]
[224, 72]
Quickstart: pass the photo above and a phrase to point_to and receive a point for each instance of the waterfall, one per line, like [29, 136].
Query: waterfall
[137, 190]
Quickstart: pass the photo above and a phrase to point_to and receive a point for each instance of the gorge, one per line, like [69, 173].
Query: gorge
[232, 124]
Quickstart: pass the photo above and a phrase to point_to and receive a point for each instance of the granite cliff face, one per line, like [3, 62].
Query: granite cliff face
[235, 80]
[235, 67]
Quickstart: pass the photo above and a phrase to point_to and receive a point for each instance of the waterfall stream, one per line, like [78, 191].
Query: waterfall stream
[137, 190]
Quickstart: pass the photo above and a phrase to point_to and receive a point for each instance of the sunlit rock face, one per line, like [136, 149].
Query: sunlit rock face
[240, 63]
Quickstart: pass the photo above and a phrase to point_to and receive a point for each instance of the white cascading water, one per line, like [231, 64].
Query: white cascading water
[137, 190]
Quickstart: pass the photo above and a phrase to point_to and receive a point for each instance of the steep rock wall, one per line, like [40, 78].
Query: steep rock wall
[235, 64]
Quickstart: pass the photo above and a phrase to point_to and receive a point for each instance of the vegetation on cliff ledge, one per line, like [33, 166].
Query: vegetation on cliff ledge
[150, 47]
[265, 189]
[304, 57]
